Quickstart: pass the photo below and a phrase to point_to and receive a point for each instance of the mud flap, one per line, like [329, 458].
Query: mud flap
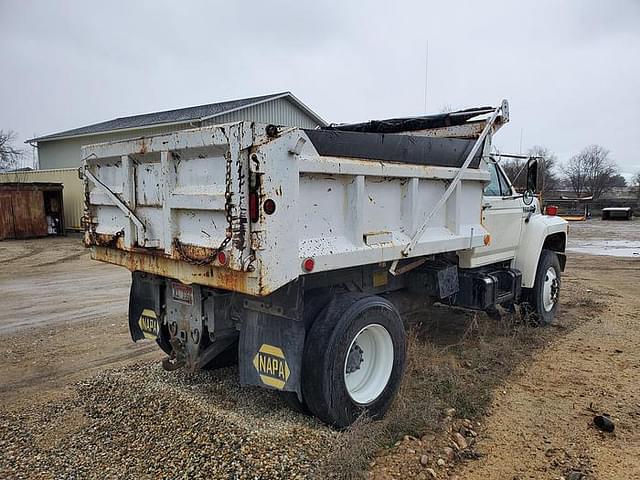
[144, 306]
[270, 352]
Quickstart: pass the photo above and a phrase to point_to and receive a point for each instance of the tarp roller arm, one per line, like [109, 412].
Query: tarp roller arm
[504, 107]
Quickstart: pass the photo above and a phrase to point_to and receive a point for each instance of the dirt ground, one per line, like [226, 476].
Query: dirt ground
[544, 415]
[73, 384]
[538, 423]
[62, 317]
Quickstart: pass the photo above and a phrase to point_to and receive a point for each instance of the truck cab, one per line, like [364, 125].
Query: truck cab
[522, 236]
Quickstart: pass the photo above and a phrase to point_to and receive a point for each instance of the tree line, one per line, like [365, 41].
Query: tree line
[591, 172]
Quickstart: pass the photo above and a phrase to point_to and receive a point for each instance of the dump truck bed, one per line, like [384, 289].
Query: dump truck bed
[245, 206]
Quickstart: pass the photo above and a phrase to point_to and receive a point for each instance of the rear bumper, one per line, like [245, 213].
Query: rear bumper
[206, 275]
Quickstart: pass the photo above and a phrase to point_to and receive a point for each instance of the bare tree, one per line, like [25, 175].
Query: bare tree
[513, 167]
[591, 172]
[547, 169]
[9, 155]
[576, 173]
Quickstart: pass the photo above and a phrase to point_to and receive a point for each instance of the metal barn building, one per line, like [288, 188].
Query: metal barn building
[59, 153]
[62, 150]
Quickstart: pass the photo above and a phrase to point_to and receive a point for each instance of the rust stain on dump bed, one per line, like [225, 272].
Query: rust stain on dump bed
[193, 253]
[104, 240]
[207, 275]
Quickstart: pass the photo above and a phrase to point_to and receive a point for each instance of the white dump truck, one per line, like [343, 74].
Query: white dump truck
[286, 250]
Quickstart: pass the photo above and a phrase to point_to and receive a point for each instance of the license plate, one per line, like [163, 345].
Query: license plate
[182, 293]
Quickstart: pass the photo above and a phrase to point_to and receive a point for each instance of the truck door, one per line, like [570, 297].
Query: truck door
[502, 214]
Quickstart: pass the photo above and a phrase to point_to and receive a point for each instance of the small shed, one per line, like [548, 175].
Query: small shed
[30, 210]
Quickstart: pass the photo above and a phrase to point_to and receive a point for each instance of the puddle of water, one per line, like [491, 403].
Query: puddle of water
[613, 248]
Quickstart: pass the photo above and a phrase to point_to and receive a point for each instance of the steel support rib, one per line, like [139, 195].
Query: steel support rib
[410, 246]
[114, 198]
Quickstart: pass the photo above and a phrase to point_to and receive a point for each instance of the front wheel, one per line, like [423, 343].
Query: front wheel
[543, 297]
[354, 359]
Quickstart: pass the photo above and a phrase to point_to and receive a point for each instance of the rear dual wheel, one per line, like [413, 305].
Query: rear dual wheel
[353, 359]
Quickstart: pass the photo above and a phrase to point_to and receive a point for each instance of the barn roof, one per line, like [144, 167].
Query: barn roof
[180, 115]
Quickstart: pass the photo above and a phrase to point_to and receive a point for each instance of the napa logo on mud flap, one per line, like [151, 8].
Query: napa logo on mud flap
[148, 323]
[271, 365]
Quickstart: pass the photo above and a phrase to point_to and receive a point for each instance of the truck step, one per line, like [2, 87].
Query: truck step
[483, 289]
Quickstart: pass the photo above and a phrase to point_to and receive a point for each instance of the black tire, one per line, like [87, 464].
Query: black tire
[326, 347]
[314, 302]
[294, 403]
[535, 296]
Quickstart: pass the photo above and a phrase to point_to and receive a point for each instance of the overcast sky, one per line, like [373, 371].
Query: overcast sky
[570, 69]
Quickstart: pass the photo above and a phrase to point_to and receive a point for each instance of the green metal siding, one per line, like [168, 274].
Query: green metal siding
[279, 112]
[65, 153]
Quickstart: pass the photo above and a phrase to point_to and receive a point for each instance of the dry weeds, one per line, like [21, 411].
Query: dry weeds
[455, 359]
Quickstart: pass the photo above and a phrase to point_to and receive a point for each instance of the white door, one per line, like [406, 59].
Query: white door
[502, 216]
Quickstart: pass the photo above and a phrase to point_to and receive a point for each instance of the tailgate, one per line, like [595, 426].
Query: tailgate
[182, 196]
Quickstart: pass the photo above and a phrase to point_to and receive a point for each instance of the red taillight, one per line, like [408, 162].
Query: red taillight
[308, 264]
[552, 210]
[254, 215]
[222, 258]
[269, 206]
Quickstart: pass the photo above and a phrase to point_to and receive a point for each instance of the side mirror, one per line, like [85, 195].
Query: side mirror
[532, 181]
[81, 172]
[532, 175]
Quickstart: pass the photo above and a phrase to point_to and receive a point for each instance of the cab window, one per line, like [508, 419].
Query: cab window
[498, 186]
[493, 187]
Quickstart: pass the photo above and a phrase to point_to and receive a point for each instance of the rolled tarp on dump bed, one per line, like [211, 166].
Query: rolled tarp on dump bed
[439, 152]
[408, 124]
